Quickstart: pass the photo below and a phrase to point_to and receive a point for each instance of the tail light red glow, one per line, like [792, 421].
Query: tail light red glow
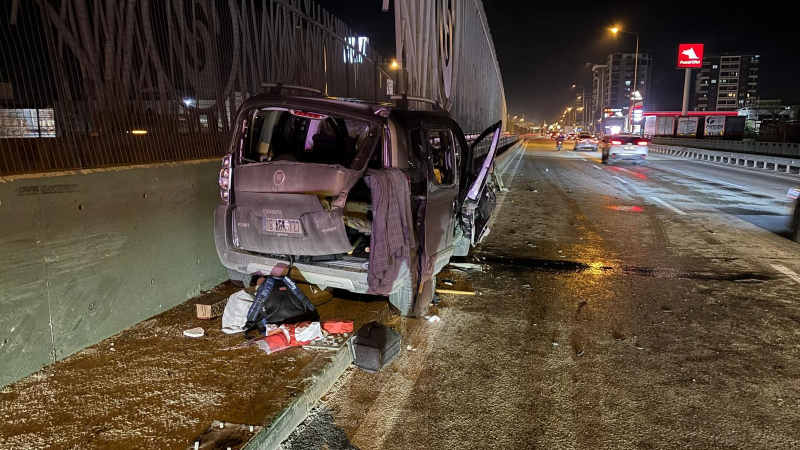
[642, 143]
[616, 142]
[307, 115]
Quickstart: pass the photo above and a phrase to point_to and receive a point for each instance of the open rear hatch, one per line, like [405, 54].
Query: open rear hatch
[292, 180]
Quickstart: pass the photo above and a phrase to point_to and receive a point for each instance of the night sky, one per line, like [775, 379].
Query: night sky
[543, 47]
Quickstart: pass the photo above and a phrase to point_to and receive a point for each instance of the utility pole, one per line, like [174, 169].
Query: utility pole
[686, 81]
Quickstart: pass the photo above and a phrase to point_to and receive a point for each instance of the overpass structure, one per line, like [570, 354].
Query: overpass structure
[113, 117]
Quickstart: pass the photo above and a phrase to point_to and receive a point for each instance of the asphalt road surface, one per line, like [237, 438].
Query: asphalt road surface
[621, 306]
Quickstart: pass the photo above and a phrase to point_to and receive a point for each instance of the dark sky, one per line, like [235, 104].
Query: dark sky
[543, 47]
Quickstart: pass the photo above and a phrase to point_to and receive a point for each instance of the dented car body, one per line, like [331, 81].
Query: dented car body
[296, 194]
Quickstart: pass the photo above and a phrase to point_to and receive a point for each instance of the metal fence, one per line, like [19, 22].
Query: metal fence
[91, 83]
[448, 55]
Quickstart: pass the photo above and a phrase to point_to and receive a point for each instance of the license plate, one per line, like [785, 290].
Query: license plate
[282, 226]
[627, 147]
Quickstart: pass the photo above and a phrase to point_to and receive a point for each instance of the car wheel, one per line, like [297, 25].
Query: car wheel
[240, 279]
[795, 224]
[460, 243]
[403, 299]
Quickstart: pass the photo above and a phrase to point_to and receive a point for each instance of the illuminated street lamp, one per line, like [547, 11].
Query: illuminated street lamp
[393, 65]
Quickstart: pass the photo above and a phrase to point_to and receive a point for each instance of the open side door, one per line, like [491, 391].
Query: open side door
[478, 200]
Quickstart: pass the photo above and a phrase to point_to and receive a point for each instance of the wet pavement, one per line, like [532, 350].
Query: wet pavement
[620, 306]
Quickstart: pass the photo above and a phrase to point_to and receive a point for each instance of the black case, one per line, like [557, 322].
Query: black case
[374, 346]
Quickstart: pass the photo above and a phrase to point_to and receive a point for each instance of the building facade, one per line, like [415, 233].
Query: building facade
[619, 79]
[599, 73]
[726, 82]
[620, 86]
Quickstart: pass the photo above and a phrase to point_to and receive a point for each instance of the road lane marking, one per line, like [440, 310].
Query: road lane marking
[729, 184]
[667, 205]
[621, 180]
[597, 167]
[787, 271]
[711, 180]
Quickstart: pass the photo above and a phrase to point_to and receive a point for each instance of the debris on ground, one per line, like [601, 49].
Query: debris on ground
[375, 346]
[194, 332]
[454, 292]
[234, 316]
[224, 435]
[467, 266]
[433, 319]
[211, 308]
[527, 287]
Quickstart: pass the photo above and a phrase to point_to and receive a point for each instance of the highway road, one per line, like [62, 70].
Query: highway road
[620, 306]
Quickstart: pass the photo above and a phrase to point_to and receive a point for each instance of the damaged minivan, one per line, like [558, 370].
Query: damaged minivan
[366, 197]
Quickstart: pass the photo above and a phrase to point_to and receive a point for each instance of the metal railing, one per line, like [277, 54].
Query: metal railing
[763, 162]
[121, 82]
[780, 149]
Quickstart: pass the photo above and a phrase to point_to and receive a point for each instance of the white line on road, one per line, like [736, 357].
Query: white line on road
[621, 180]
[787, 271]
[729, 184]
[667, 205]
[597, 167]
[712, 180]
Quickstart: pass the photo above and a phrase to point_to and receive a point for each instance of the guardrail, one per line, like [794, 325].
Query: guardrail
[772, 163]
[781, 149]
[483, 147]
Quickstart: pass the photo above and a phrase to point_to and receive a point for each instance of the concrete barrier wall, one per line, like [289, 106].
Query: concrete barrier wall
[89, 253]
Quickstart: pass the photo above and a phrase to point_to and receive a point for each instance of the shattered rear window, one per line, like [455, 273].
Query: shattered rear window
[280, 134]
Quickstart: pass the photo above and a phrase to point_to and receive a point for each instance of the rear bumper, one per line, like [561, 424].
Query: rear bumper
[592, 147]
[352, 278]
[622, 154]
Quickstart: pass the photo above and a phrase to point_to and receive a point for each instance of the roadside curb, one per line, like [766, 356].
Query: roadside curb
[281, 427]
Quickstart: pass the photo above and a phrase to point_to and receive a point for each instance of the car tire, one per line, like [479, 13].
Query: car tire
[794, 234]
[403, 299]
[460, 243]
[240, 279]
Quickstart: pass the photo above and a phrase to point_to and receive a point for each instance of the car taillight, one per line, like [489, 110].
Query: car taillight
[308, 115]
[225, 175]
[642, 143]
[616, 142]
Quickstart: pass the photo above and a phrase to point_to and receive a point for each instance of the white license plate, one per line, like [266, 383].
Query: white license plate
[282, 226]
[629, 147]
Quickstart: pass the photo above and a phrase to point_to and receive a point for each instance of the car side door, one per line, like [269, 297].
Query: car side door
[441, 167]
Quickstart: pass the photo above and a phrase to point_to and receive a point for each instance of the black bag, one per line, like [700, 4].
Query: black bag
[374, 346]
[279, 306]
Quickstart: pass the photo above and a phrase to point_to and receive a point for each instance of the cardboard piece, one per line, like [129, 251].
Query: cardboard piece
[211, 308]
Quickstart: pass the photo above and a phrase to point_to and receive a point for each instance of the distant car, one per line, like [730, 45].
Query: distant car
[794, 194]
[625, 147]
[571, 137]
[585, 141]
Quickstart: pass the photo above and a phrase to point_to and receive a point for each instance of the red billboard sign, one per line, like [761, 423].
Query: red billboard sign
[690, 56]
